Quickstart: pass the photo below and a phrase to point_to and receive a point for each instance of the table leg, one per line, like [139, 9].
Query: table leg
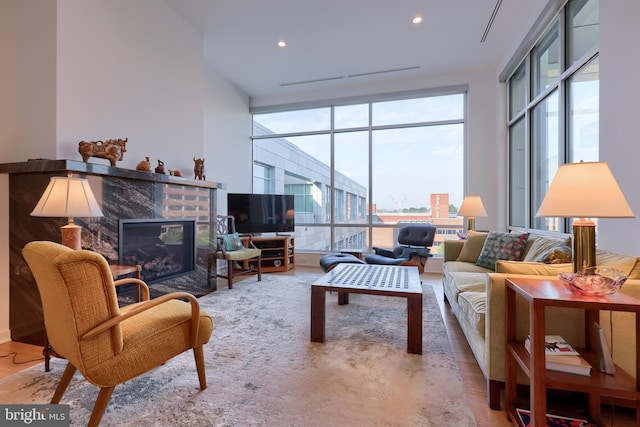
[343, 298]
[318, 297]
[414, 323]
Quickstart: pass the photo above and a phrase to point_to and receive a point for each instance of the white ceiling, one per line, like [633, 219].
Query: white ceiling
[335, 39]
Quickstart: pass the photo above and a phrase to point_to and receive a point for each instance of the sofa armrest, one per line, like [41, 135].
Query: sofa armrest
[452, 249]
[559, 321]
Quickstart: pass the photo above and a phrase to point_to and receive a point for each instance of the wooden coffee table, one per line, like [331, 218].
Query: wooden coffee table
[391, 281]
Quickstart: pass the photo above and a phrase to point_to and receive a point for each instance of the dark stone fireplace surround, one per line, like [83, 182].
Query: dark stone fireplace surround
[122, 194]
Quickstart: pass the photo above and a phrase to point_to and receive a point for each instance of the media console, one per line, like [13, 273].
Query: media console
[278, 253]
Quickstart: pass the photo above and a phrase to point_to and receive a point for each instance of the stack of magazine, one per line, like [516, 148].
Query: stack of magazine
[560, 356]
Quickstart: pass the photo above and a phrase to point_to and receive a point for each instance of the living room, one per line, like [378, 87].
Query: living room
[100, 70]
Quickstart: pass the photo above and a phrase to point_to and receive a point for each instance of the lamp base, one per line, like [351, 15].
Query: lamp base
[584, 244]
[471, 224]
[71, 236]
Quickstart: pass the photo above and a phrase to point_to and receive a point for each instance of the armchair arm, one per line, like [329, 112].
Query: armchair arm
[143, 286]
[146, 305]
[384, 252]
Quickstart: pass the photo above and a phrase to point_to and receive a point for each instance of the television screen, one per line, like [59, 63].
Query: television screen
[262, 213]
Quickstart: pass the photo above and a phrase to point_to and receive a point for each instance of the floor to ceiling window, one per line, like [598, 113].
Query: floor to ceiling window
[553, 111]
[360, 170]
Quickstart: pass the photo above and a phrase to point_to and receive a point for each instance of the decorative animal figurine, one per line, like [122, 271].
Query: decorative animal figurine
[144, 165]
[111, 149]
[175, 172]
[198, 169]
[160, 167]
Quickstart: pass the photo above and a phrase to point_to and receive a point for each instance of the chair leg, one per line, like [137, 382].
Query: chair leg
[64, 383]
[202, 374]
[230, 273]
[101, 405]
[259, 268]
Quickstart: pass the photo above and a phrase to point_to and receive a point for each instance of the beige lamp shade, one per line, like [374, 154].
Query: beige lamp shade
[472, 207]
[68, 197]
[584, 190]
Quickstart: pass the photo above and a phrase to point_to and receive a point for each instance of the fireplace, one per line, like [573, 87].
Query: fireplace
[164, 248]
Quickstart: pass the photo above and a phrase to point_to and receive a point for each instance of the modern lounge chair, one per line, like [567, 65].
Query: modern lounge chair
[107, 344]
[414, 246]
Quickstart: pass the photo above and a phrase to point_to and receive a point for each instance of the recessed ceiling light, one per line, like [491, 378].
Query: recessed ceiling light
[282, 43]
[417, 19]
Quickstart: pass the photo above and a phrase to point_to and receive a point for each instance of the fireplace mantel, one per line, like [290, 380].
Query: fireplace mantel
[122, 194]
[82, 168]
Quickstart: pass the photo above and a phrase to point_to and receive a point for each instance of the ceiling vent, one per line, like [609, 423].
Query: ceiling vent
[490, 23]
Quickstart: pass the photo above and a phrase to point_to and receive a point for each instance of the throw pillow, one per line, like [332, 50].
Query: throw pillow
[624, 263]
[557, 255]
[499, 245]
[537, 246]
[472, 246]
[231, 242]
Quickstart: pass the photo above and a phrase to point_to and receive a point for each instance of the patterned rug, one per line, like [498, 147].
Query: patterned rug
[262, 370]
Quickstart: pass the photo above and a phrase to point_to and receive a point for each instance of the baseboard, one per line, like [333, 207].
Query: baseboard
[5, 336]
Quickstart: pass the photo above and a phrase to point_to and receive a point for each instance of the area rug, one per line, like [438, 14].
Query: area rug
[262, 369]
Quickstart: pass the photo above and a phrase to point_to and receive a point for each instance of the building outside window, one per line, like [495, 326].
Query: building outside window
[553, 107]
[359, 171]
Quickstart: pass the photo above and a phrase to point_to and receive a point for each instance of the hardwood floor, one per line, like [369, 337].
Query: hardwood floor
[15, 356]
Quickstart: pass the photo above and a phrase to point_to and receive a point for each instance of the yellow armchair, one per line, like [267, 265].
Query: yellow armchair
[107, 344]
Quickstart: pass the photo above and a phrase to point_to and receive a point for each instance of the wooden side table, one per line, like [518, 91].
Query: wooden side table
[541, 293]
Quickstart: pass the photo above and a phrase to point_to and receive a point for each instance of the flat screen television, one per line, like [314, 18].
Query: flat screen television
[262, 213]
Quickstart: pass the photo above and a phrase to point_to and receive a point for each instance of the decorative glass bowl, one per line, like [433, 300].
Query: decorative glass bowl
[594, 280]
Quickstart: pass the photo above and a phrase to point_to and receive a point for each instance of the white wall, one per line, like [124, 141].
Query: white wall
[619, 113]
[87, 70]
[227, 138]
[130, 69]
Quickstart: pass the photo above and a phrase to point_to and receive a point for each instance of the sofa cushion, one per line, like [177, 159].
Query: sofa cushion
[473, 306]
[624, 263]
[499, 246]
[538, 245]
[472, 246]
[465, 267]
[534, 268]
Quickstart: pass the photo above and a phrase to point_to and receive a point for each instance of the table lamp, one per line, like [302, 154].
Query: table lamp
[584, 190]
[472, 207]
[68, 197]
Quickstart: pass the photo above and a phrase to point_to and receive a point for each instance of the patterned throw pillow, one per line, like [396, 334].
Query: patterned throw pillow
[232, 242]
[508, 246]
[557, 255]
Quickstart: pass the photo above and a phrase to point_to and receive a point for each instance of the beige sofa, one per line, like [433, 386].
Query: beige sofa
[477, 297]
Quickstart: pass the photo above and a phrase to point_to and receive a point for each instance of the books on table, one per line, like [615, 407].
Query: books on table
[560, 356]
[554, 345]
